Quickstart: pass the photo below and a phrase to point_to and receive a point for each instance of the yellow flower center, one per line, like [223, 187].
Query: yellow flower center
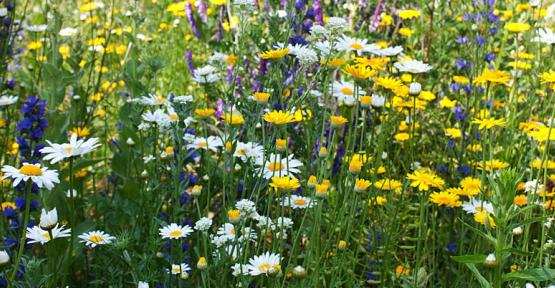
[347, 91]
[160, 100]
[68, 150]
[232, 231]
[202, 144]
[240, 151]
[275, 166]
[300, 202]
[46, 235]
[356, 46]
[176, 233]
[265, 267]
[95, 238]
[174, 117]
[30, 170]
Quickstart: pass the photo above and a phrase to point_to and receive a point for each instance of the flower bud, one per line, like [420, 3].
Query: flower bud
[415, 88]
[490, 260]
[201, 264]
[517, 231]
[299, 272]
[130, 142]
[342, 245]
[4, 257]
[197, 189]
[48, 220]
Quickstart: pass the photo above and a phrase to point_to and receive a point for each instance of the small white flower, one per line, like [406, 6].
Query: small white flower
[474, 206]
[142, 284]
[298, 202]
[203, 224]
[68, 32]
[239, 270]
[183, 99]
[336, 24]
[97, 237]
[174, 231]
[3, 12]
[546, 36]
[8, 100]
[211, 143]
[377, 100]
[490, 260]
[36, 28]
[413, 66]
[178, 269]
[246, 207]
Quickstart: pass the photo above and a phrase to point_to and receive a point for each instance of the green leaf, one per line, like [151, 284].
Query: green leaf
[478, 258]
[483, 282]
[486, 236]
[534, 275]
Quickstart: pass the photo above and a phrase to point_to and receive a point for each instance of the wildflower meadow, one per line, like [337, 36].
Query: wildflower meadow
[277, 143]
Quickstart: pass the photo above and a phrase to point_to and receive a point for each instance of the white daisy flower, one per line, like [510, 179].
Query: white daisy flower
[388, 51]
[174, 231]
[142, 284]
[345, 92]
[298, 202]
[36, 28]
[546, 36]
[267, 263]
[8, 100]
[57, 152]
[36, 234]
[178, 269]
[347, 43]
[239, 270]
[413, 66]
[377, 100]
[39, 175]
[474, 206]
[97, 237]
[277, 166]
[158, 116]
[206, 74]
[211, 143]
[67, 32]
[248, 151]
[151, 100]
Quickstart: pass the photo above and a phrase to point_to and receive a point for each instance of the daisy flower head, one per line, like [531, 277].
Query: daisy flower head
[175, 231]
[248, 151]
[298, 202]
[41, 176]
[347, 43]
[179, 269]
[267, 264]
[546, 36]
[36, 234]
[57, 152]
[206, 74]
[97, 237]
[277, 166]
[425, 180]
[7, 100]
[474, 206]
[412, 66]
[151, 100]
[493, 77]
[548, 77]
[211, 143]
[345, 92]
